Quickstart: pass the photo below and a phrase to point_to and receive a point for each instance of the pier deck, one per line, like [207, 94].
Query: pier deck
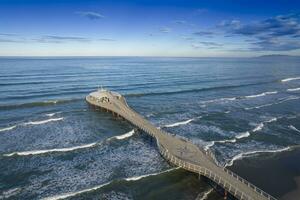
[180, 152]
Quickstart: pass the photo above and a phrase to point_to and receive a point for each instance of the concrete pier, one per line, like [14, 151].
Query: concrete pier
[180, 152]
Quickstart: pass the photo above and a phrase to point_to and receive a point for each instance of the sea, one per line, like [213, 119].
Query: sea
[53, 145]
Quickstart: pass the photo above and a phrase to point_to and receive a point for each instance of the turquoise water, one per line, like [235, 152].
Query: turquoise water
[52, 144]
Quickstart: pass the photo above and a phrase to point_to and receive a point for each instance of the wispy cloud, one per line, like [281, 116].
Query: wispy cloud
[165, 30]
[90, 14]
[208, 45]
[279, 33]
[4, 38]
[60, 39]
[179, 22]
[204, 33]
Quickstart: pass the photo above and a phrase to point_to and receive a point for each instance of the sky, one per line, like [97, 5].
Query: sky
[181, 28]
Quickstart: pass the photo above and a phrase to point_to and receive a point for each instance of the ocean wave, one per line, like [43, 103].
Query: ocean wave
[243, 135]
[209, 145]
[67, 149]
[261, 94]
[72, 194]
[124, 136]
[52, 114]
[9, 193]
[135, 178]
[261, 106]
[36, 152]
[290, 79]
[245, 154]
[294, 128]
[194, 90]
[221, 99]
[224, 99]
[37, 104]
[8, 128]
[179, 123]
[204, 195]
[258, 127]
[43, 121]
[293, 89]
[275, 103]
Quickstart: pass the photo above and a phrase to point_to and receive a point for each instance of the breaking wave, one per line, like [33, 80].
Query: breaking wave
[72, 194]
[179, 123]
[43, 121]
[245, 154]
[135, 178]
[275, 103]
[8, 128]
[293, 89]
[290, 79]
[241, 135]
[204, 195]
[36, 104]
[294, 128]
[124, 136]
[261, 94]
[67, 149]
[35, 152]
[196, 90]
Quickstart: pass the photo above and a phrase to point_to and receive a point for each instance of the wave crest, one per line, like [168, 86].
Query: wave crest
[36, 152]
[179, 123]
[135, 178]
[245, 154]
[293, 89]
[290, 79]
[8, 128]
[43, 121]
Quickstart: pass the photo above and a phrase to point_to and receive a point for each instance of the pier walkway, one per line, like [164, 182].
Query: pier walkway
[178, 151]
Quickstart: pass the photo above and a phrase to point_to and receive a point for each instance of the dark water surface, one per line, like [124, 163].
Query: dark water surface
[53, 145]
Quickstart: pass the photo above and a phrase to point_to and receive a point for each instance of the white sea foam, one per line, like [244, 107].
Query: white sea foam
[9, 193]
[261, 106]
[245, 154]
[275, 103]
[261, 94]
[72, 194]
[126, 135]
[290, 79]
[293, 89]
[221, 99]
[258, 127]
[50, 114]
[210, 144]
[179, 123]
[274, 119]
[204, 195]
[226, 141]
[294, 128]
[35, 152]
[135, 178]
[243, 135]
[43, 121]
[8, 128]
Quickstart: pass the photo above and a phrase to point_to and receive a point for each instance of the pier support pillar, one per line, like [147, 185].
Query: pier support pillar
[225, 194]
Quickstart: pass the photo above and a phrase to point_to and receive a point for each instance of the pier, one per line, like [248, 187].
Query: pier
[180, 152]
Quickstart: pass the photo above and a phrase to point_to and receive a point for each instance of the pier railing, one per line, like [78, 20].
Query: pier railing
[213, 176]
[126, 112]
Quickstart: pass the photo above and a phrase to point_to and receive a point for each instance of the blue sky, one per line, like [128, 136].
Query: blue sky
[149, 27]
